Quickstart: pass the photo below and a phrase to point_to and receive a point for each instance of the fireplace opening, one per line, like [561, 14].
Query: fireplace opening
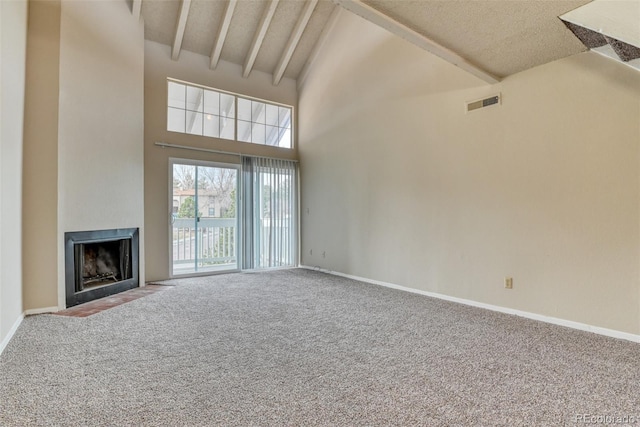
[100, 263]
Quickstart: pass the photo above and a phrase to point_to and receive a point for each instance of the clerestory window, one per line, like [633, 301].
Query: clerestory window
[207, 112]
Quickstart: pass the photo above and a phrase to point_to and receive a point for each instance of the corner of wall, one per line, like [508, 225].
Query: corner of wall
[6, 338]
[400, 185]
[13, 39]
[194, 68]
[40, 164]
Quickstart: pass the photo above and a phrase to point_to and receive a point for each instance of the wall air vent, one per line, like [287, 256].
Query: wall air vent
[482, 103]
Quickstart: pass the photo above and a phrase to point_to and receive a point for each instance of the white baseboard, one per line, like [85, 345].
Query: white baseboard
[542, 318]
[44, 310]
[12, 331]
[17, 323]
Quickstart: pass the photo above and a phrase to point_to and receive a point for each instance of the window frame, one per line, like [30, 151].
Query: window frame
[235, 118]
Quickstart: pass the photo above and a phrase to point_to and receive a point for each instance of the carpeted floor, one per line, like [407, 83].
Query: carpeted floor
[301, 348]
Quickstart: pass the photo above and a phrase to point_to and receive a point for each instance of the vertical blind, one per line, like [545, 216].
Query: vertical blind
[269, 194]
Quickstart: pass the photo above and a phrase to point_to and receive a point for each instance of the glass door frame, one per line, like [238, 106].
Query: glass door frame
[238, 235]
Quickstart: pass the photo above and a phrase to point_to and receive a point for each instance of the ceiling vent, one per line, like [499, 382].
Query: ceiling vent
[482, 103]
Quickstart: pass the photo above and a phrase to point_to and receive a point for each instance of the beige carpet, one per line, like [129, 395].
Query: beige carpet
[301, 348]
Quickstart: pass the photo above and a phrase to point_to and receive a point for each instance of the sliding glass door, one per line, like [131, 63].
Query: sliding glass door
[207, 203]
[204, 220]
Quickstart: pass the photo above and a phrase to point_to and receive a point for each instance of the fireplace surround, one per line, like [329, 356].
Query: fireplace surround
[100, 263]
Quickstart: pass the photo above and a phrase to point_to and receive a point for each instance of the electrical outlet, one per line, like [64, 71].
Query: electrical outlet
[324, 254]
[508, 282]
[310, 251]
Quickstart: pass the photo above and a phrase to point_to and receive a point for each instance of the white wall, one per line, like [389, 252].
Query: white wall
[101, 127]
[192, 68]
[13, 36]
[88, 150]
[40, 156]
[400, 185]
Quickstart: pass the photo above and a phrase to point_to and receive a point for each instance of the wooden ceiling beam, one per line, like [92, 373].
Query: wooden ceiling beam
[222, 34]
[258, 38]
[294, 39]
[376, 17]
[181, 25]
[317, 47]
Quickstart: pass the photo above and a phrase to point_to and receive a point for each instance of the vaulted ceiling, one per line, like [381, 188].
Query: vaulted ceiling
[490, 38]
[267, 35]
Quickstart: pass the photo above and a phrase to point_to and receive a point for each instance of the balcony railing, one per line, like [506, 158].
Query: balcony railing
[212, 243]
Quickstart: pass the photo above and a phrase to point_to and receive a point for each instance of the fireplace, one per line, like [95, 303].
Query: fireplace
[100, 263]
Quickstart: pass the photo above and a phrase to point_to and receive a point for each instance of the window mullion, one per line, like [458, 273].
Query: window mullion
[235, 118]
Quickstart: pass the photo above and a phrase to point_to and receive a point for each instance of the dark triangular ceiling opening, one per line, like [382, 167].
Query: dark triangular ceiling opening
[611, 28]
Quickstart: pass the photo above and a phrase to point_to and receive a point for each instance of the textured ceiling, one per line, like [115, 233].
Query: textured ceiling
[243, 25]
[501, 37]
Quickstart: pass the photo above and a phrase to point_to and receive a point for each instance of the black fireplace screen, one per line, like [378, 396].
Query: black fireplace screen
[100, 263]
